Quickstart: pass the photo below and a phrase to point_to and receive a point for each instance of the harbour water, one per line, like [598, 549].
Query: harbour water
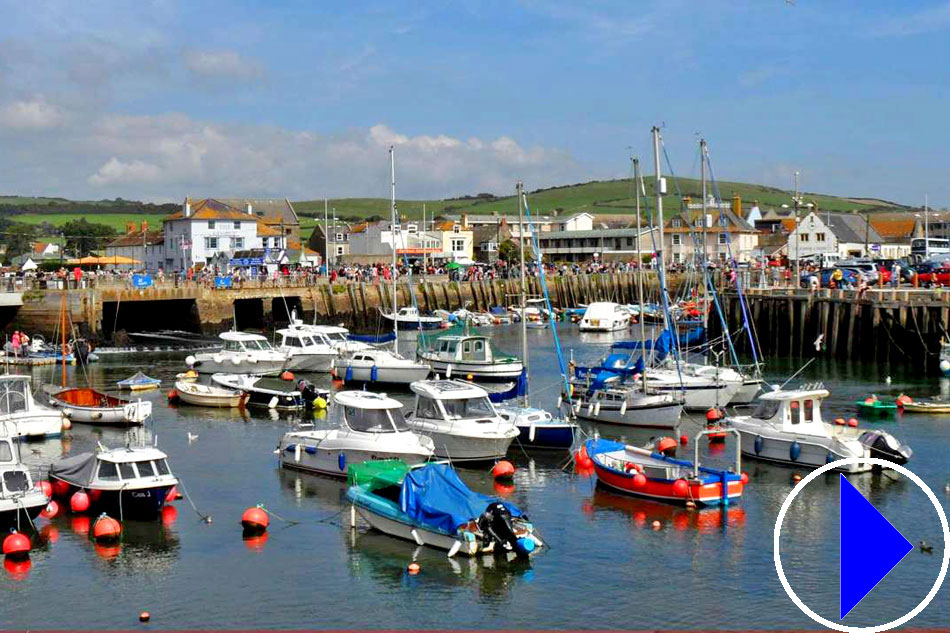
[606, 567]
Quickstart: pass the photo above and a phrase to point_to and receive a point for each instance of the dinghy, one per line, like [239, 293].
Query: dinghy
[273, 393]
[139, 382]
[88, 406]
[921, 406]
[873, 406]
[209, 395]
[430, 505]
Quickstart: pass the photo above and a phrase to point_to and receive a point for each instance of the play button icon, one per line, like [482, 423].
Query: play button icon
[870, 547]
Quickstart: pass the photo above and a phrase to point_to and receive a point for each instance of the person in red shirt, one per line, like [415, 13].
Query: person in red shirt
[77, 275]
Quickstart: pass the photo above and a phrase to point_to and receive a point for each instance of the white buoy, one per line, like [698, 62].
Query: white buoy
[887, 380]
[623, 408]
[273, 403]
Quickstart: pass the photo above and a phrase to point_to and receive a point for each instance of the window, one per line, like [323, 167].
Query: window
[237, 242]
[16, 481]
[339, 250]
[412, 228]
[145, 469]
[819, 237]
[456, 228]
[162, 466]
[108, 471]
[339, 237]
[723, 238]
[210, 224]
[458, 245]
[126, 470]
[6, 453]
[677, 223]
[237, 225]
[426, 408]
[292, 341]
[677, 239]
[375, 420]
[804, 237]
[629, 241]
[766, 410]
[13, 396]
[808, 411]
[211, 243]
[469, 408]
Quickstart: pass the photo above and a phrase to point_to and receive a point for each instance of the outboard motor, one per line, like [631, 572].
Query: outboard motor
[81, 350]
[883, 445]
[495, 524]
[308, 390]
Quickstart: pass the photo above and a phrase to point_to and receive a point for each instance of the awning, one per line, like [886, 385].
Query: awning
[105, 260]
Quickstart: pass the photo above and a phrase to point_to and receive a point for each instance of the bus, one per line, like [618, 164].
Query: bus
[922, 248]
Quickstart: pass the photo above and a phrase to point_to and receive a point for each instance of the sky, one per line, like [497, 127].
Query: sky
[159, 99]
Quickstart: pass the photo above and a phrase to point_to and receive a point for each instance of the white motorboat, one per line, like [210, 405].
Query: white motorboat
[699, 393]
[202, 395]
[23, 416]
[627, 404]
[337, 337]
[382, 366]
[603, 316]
[243, 353]
[461, 420]
[787, 428]
[537, 428]
[20, 502]
[469, 356]
[371, 427]
[305, 351]
[747, 387]
[408, 318]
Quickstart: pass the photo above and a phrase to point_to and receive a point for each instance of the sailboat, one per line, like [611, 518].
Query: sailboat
[381, 365]
[89, 406]
[602, 393]
[537, 428]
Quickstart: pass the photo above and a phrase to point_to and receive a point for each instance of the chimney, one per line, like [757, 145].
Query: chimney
[130, 227]
[737, 204]
[144, 226]
[250, 209]
[464, 221]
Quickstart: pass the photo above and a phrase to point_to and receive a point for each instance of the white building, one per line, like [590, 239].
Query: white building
[377, 239]
[841, 234]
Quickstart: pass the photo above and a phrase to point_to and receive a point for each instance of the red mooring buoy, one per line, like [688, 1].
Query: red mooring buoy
[255, 519]
[503, 470]
[106, 529]
[79, 502]
[16, 545]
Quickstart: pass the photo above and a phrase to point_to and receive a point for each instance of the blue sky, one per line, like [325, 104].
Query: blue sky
[156, 100]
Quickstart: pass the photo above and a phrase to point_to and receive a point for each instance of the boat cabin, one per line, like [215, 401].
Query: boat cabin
[794, 411]
[15, 394]
[452, 400]
[245, 342]
[462, 349]
[294, 338]
[367, 412]
[15, 478]
[132, 468]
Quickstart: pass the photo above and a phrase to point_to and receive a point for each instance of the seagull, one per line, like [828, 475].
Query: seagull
[926, 549]
[818, 341]
[192, 437]
[887, 380]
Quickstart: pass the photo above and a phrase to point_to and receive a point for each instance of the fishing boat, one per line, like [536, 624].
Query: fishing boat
[20, 502]
[429, 505]
[273, 393]
[305, 351]
[874, 406]
[129, 482]
[629, 405]
[653, 474]
[202, 395]
[21, 415]
[470, 356]
[461, 420]
[243, 353]
[787, 428]
[139, 382]
[926, 406]
[371, 427]
[604, 316]
[89, 406]
[381, 366]
[408, 318]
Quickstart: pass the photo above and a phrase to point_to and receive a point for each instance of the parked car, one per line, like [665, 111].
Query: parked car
[866, 266]
[907, 270]
[934, 273]
[850, 277]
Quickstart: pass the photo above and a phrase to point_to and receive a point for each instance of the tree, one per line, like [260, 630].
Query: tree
[83, 237]
[508, 251]
[17, 236]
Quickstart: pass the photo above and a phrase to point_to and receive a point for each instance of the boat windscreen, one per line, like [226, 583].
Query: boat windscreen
[6, 452]
[13, 396]
[766, 409]
[469, 408]
[16, 481]
[369, 420]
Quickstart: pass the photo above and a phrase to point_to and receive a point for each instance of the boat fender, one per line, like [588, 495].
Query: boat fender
[759, 442]
[416, 537]
[374, 374]
[639, 481]
[218, 358]
[680, 488]
[297, 451]
[577, 407]
[455, 548]
[945, 367]
[349, 374]
[597, 410]
[623, 408]
[97, 415]
[525, 545]
[448, 370]
[311, 450]
[341, 462]
[560, 401]
[590, 409]
[829, 458]
[272, 404]
[531, 432]
[291, 448]
[237, 361]
[795, 451]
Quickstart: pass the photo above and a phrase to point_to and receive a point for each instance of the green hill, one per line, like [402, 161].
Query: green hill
[598, 197]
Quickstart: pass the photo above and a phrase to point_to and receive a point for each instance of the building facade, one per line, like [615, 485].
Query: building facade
[597, 244]
[722, 235]
[841, 234]
[139, 244]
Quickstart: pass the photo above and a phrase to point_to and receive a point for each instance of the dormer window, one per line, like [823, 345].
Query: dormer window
[456, 228]
[677, 223]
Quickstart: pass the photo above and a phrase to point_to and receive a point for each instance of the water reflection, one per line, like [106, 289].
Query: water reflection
[643, 512]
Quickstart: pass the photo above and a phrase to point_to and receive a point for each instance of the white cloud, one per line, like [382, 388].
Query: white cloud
[117, 172]
[33, 115]
[929, 20]
[222, 64]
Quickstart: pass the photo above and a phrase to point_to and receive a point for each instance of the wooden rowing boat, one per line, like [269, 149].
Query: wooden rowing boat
[927, 407]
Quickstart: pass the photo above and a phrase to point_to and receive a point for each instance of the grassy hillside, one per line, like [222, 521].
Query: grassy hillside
[116, 220]
[608, 197]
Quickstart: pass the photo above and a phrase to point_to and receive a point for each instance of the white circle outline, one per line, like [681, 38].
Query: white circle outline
[861, 629]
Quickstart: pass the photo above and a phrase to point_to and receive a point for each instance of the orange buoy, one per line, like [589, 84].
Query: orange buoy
[170, 495]
[173, 395]
[79, 502]
[839, 421]
[503, 470]
[287, 375]
[796, 477]
[904, 399]
[869, 401]
[413, 568]
[657, 525]
[666, 445]
[51, 510]
[853, 423]
[639, 480]
[81, 525]
[255, 519]
[680, 488]
[16, 545]
[145, 616]
[744, 478]
[60, 488]
[684, 440]
[713, 415]
[46, 487]
[106, 528]
[94, 496]
[586, 463]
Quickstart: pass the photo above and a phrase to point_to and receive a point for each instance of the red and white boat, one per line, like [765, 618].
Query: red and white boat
[652, 474]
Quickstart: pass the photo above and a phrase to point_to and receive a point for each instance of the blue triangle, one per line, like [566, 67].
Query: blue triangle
[870, 547]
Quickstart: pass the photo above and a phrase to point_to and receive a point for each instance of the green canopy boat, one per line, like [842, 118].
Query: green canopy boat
[875, 406]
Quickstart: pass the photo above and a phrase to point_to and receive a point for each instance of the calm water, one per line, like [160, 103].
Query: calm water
[606, 567]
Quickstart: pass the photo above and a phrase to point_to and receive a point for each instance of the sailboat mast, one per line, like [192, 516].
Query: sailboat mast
[659, 189]
[702, 161]
[637, 185]
[524, 294]
[395, 225]
[62, 331]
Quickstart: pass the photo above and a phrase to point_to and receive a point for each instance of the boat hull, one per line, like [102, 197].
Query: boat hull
[553, 436]
[748, 392]
[388, 375]
[18, 515]
[259, 368]
[328, 462]
[35, 426]
[208, 399]
[707, 494]
[321, 363]
[467, 448]
[659, 413]
[142, 503]
[700, 398]
[813, 452]
[478, 371]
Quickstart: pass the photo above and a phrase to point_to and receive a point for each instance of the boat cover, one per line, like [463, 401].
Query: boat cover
[435, 497]
[372, 338]
[519, 388]
[377, 474]
[139, 379]
[77, 470]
